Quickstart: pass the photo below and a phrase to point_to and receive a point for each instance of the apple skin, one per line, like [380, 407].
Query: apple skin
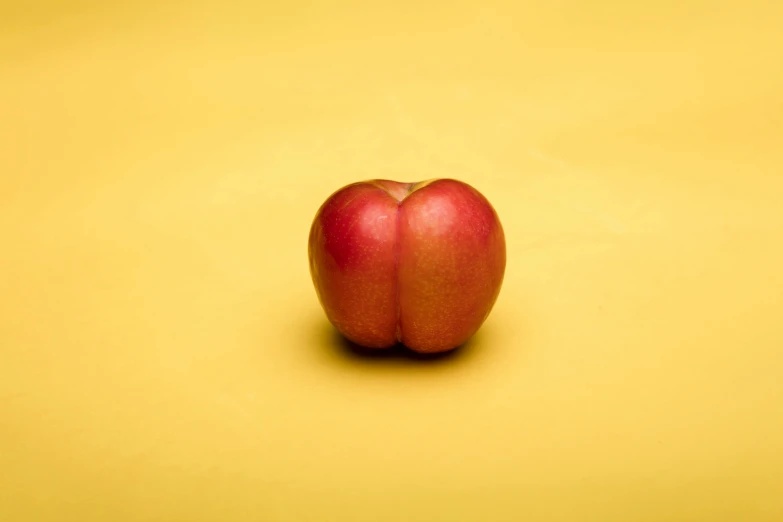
[416, 263]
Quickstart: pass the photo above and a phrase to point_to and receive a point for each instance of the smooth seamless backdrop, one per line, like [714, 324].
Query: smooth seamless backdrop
[162, 352]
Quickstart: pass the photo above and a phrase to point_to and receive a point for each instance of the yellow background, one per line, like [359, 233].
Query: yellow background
[162, 352]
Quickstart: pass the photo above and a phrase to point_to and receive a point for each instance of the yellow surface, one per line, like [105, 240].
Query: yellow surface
[162, 352]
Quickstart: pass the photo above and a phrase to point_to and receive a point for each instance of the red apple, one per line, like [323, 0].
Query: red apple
[416, 263]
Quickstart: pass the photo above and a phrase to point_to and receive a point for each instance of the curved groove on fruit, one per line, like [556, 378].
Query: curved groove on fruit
[399, 191]
[398, 324]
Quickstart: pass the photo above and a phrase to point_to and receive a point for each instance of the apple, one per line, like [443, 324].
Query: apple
[414, 263]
